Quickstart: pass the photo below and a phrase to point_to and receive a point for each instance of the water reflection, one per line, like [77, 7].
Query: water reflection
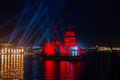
[71, 70]
[37, 69]
[32, 67]
[64, 70]
[11, 67]
[49, 70]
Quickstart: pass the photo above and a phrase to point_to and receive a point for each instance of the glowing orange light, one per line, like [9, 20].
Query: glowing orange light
[2, 50]
[5, 50]
[22, 50]
[8, 50]
[14, 50]
[11, 50]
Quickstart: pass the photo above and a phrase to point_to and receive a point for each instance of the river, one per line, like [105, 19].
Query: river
[32, 67]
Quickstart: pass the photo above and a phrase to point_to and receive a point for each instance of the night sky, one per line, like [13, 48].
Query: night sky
[95, 21]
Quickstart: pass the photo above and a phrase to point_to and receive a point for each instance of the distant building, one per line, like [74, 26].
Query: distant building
[10, 49]
[104, 49]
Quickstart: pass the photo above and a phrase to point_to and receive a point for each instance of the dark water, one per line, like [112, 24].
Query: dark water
[32, 67]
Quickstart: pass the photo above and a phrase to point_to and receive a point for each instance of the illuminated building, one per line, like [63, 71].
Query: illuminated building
[9, 49]
[104, 49]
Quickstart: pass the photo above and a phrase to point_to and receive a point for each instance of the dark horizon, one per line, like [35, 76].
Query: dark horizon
[95, 22]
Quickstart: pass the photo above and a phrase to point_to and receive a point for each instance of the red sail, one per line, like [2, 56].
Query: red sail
[49, 49]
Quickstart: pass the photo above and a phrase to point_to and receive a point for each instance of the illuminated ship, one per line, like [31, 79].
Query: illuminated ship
[68, 48]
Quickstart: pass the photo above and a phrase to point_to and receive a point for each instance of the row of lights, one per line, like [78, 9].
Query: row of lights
[12, 50]
[108, 48]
